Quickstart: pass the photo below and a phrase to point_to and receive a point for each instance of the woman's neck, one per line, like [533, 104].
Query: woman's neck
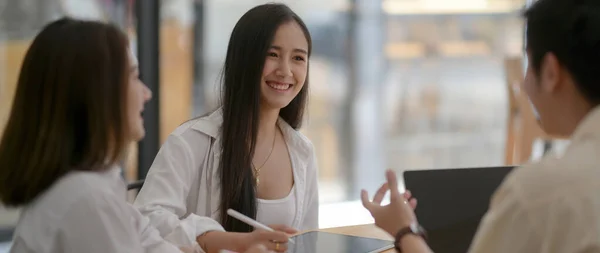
[267, 124]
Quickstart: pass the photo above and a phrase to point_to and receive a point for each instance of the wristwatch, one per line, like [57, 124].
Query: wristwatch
[414, 229]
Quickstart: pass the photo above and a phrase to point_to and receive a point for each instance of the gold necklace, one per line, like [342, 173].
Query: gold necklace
[257, 171]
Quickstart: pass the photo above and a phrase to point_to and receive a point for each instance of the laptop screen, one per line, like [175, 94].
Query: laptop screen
[452, 202]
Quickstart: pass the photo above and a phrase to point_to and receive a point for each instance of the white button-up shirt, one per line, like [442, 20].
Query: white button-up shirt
[181, 194]
[552, 206]
[86, 212]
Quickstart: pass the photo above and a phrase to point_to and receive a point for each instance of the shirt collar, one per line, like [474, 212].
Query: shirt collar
[211, 124]
[589, 126]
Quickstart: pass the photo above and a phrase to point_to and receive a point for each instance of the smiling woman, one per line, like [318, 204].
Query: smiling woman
[248, 155]
[283, 79]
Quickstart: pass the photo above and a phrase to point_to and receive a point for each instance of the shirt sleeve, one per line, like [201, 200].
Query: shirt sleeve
[507, 226]
[311, 221]
[151, 240]
[163, 199]
[98, 225]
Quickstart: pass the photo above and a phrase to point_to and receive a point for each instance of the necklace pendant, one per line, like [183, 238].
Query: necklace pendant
[257, 180]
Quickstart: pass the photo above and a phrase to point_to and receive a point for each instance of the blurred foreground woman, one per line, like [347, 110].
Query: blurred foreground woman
[78, 104]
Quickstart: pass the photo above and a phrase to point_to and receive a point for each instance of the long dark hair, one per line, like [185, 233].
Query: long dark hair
[68, 111]
[246, 53]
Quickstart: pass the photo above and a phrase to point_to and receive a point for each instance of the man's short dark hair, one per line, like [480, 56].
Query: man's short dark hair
[569, 29]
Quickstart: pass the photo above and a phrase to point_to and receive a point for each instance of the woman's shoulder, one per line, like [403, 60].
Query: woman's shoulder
[77, 188]
[207, 125]
[62, 206]
[304, 140]
[296, 139]
[89, 186]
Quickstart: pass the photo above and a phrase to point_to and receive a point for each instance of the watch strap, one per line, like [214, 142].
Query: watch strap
[414, 229]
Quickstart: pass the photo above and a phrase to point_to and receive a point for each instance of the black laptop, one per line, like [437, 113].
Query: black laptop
[451, 202]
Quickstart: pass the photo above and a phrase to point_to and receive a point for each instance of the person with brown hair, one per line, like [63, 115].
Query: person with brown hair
[78, 104]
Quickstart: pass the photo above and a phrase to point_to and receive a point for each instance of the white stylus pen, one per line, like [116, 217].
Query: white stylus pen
[250, 221]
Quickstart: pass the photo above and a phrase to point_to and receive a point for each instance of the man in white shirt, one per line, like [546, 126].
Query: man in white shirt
[554, 205]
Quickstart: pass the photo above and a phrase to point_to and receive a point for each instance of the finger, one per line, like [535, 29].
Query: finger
[277, 246]
[413, 203]
[284, 228]
[275, 236]
[407, 194]
[392, 180]
[380, 194]
[392, 183]
[364, 197]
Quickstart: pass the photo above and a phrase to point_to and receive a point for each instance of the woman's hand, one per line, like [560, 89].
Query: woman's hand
[276, 241]
[214, 241]
[398, 214]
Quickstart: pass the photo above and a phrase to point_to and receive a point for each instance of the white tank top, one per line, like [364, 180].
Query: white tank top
[277, 211]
